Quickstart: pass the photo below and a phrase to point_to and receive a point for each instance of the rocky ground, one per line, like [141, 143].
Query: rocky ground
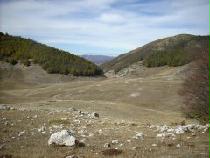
[133, 116]
[29, 133]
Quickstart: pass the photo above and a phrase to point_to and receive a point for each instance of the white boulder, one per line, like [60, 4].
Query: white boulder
[63, 138]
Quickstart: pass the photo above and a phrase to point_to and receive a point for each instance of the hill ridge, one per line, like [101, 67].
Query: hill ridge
[53, 60]
[181, 46]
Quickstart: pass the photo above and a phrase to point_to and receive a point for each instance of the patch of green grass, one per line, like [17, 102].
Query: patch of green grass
[58, 121]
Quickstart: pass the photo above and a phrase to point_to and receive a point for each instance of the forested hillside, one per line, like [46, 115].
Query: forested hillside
[172, 51]
[15, 49]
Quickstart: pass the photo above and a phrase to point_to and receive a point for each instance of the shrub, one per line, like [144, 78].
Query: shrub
[196, 89]
[12, 61]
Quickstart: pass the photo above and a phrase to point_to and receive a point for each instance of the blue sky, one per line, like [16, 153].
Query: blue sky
[108, 27]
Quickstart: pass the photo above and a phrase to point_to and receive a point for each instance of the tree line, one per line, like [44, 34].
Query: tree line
[14, 49]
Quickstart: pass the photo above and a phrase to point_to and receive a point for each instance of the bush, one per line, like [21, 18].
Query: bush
[12, 61]
[196, 89]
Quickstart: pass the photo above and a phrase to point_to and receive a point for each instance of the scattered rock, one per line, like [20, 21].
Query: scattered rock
[35, 116]
[134, 95]
[90, 135]
[71, 156]
[21, 133]
[139, 136]
[64, 119]
[180, 129]
[62, 138]
[120, 145]
[115, 141]
[94, 115]
[42, 129]
[163, 135]
[107, 145]
[178, 145]
[6, 123]
[100, 131]
[5, 107]
[154, 145]
[134, 148]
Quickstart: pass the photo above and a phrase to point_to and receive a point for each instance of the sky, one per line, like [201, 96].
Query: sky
[108, 27]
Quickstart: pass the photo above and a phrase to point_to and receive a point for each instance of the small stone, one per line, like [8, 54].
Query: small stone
[90, 135]
[95, 115]
[154, 145]
[21, 133]
[42, 129]
[71, 156]
[120, 145]
[100, 131]
[6, 123]
[35, 116]
[115, 141]
[107, 145]
[64, 119]
[139, 136]
[133, 148]
[128, 140]
[178, 145]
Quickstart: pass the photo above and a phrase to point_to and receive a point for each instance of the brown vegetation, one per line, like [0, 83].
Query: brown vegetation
[196, 89]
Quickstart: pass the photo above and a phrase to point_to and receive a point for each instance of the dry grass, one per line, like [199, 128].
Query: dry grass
[157, 103]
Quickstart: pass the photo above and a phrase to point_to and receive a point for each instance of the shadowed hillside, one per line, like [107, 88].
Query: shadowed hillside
[15, 49]
[173, 51]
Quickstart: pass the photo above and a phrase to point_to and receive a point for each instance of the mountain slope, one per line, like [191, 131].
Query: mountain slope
[97, 59]
[15, 49]
[173, 51]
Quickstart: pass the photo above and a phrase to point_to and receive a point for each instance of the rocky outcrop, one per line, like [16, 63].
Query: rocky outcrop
[62, 138]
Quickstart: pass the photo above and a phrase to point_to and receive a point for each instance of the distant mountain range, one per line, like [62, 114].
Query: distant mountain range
[172, 51]
[97, 59]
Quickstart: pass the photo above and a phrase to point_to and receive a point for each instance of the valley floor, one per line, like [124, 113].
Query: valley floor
[126, 106]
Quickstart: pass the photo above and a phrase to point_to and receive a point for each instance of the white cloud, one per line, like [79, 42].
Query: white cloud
[112, 18]
[103, 23]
